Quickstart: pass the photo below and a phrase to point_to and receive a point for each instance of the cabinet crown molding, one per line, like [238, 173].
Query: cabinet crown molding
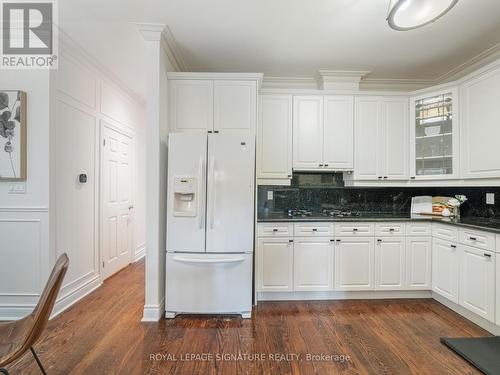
[341, 79]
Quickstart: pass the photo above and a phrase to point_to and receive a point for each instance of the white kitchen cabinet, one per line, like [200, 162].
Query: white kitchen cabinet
[367, 162]
[313, 264]
[235, 106]
[323, 133]
[354, 263]
[477, 281]
[497, 273]
[395, 134]
[390, 263]
[479, 126]
[275, 264]
[338, 133]
[191, 105]
[434, 135]
[274, 142]
[307, 132]
[381, 138]
[418, 263]
[445, 280]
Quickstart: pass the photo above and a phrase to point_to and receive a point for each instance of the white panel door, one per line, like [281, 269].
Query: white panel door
[235, 106]
[313, 264]
[367, 139]
[477, 281]
[354, 263]
[308, 132]
[116, 171]
[445, 269]
[338, 132]
[275, 264]
[395, 144]
[274, 143]
[480, 130]
[497, 273]
[419, 263]
[230, 193]
[390, 263]
[187, 157]
[191, 105]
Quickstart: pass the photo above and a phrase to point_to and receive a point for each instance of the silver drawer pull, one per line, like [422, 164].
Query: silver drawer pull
[453, 246]
[473, 238]
[314, 229]
[275, 230]
[354, 229]
[487, 255]
[391, 229]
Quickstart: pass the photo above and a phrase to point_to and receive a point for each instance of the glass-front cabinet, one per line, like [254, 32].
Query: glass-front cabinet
[435, 135]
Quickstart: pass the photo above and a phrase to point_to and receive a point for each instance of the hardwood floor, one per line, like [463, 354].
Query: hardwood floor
[102, 334]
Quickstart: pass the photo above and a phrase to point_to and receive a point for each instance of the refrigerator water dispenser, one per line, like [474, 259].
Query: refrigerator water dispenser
[185, 200]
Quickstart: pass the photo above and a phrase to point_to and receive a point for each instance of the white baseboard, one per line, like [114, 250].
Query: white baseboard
[76, 295]
[15, 312]
[153, 313]
[140, 252]
[295, 296]
[476, 319]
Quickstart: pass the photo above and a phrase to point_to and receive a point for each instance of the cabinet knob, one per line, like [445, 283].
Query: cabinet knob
[379, 240]
[354, 229]
[320, 165]
[379, 177]
[275, 230]
[290, 241]
[385, 177]
[315, 229]
[473, 238]
[487, 255]
[453, 246]
[338, 240]
[391, 229]
[326, 165]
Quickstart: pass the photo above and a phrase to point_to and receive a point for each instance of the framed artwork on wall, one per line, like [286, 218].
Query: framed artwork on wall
[13, 124]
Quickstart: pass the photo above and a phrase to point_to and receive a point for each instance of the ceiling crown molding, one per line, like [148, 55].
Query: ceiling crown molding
[289, 82]
[150, 31]
[175, 56]
[340, 79]
[395, 84]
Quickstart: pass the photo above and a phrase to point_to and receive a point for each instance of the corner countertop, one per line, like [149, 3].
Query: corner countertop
[479, 223]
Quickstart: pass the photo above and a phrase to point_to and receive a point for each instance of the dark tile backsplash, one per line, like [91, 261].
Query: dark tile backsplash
[315, 192]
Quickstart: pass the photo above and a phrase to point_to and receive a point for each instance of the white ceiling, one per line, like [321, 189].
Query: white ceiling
[281, 37]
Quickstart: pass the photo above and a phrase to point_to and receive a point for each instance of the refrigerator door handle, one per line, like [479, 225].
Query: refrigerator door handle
[201, 187]
[212, 189]
[209, 260]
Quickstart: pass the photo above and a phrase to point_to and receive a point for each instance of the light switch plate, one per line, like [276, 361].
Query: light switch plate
[490, 198]
[270, 195]
[17, 188]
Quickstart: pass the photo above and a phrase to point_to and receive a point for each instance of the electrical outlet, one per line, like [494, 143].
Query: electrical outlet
[490, 198]
[270, 195]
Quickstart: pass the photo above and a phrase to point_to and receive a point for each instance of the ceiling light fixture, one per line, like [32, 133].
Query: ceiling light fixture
[411, 14]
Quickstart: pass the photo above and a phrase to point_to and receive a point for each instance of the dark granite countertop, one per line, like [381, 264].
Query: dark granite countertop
[489, 225]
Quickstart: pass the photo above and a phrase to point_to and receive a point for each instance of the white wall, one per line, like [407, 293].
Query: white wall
[24, 218]
[86, 99]
[56, 214]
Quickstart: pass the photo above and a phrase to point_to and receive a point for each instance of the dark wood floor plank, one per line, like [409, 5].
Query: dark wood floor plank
[102, 334]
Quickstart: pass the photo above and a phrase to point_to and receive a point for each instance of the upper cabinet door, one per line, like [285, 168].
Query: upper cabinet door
[367, 139]
[434, 135]
[480, 128]
[338, 132]
[274, 146]
[395, 138]
[308, 132]
[235, 106]
[191, 105]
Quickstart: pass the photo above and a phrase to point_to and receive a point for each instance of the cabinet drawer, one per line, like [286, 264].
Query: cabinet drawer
[355, 229]
[275, 229]
[445, 232]
[313, 229]
[389, 229]
[482, 240]
[418, 229]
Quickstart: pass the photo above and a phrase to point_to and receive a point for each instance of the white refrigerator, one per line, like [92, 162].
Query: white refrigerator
[210, 224]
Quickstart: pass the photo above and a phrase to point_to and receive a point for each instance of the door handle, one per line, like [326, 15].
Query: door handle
[201, 183]
[212, 189]
[209, 260]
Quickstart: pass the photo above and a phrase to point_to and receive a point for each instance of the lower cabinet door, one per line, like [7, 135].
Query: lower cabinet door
[418, 263]
[390, 263]
[354, 263]
[497, 320]
[275, 264]
[477, 281]
[313, 264]
[445, 269]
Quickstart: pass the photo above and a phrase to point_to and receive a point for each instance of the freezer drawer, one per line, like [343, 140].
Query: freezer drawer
[209, 283]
